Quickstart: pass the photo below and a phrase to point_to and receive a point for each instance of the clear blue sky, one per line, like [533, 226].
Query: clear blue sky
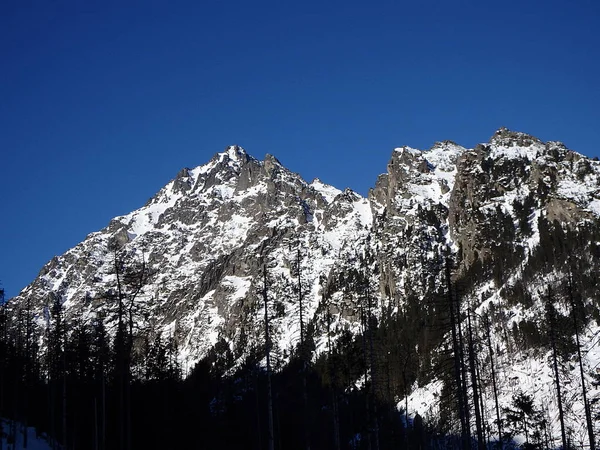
[101, 104]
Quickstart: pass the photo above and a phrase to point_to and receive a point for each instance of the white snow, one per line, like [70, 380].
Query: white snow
[514, 152]
[594, 206]
[238, 285]
[328, 192]
[407, 149]
[364, 213]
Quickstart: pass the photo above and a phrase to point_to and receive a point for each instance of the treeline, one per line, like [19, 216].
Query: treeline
[70, 388]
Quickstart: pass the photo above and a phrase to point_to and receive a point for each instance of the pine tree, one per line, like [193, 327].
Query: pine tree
[80, 377]
[523, 417]
[57, 369]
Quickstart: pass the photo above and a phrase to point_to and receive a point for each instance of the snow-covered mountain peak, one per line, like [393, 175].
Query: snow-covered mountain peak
[416, 177]
[233, 157]
[442, 159]
[328, 192]
[409, 150]
[504, 136]
[234, 153]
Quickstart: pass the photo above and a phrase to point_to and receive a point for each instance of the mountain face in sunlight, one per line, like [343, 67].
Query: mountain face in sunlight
[500, 226]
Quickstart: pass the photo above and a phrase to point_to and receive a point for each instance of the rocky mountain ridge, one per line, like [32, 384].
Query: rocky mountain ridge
[498, 210]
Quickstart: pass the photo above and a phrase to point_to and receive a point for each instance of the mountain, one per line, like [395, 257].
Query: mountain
[514, 221]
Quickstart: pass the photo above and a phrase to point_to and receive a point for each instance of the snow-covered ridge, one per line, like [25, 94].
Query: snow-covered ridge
[328, 192]
[232, 205]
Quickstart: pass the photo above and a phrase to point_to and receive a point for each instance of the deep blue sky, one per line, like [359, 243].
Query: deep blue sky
[101, 104]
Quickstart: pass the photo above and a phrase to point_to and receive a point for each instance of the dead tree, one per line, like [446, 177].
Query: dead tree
[270, 436]
[586, 405]
[456, 350]
[370, 323]
[474, 384]
[131, 277]
[303, 350]
[486, 321]
[332, 380]
[551, 320]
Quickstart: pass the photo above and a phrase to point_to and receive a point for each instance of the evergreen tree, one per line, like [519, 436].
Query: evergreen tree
[524, 418]
[57, 374]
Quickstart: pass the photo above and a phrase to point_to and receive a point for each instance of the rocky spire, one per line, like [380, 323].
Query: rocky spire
[507, 138]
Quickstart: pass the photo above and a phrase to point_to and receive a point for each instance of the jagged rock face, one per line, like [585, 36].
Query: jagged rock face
[208, 234]
[205, 237]
[502, 188]
[410, 207]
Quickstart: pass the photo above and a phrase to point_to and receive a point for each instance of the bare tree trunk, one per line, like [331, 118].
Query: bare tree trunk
[96, 424]
[50, 380]
[28, 370]
[495, 386]
[257, 399]
[303, 352]
[474, 386]
[17, 382]
[485, 429]
[120, 349]
[586, 405]
[332, 375]
[463, 366]
[364, 344]
[551, 315]
[373, 371]
[64, 395]
[270, 436]
[103, 434]
[3, 342]
[457, 360]
[405, 382]
[298, 261]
